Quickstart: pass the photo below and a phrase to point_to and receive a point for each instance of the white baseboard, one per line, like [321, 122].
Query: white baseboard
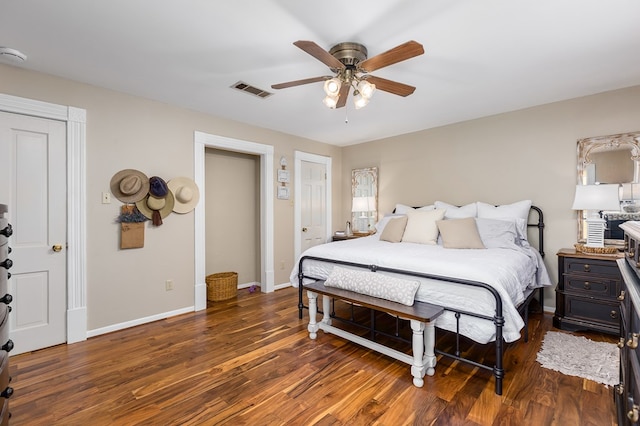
[139, 321]
[76, 325]
[283, 285]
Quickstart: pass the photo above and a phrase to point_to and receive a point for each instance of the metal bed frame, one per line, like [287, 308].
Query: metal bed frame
[498, 319]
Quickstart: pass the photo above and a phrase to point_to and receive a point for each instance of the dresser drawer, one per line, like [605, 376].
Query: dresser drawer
[587, 287]
[592, 267]
[592, 310]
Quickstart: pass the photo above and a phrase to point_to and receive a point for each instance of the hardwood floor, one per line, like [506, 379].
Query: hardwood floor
[249, 360]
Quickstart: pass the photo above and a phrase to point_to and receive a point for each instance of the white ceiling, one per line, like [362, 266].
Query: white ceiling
[481, 57]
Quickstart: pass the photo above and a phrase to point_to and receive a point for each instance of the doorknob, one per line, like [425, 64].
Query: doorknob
[57, 247]
[304, 229]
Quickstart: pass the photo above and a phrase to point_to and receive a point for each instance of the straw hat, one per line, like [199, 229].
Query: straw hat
[129, 185]
[186, 194]
[150, 204]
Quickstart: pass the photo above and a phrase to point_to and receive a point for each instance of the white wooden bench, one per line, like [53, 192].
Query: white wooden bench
[420, 315]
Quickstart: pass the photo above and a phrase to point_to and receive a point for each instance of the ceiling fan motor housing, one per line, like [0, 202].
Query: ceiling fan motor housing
[349, 53]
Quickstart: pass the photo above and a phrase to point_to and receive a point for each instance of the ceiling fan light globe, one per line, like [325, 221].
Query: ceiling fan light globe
[366, 89]
[330, 101]
[332, 86]
[360, 101]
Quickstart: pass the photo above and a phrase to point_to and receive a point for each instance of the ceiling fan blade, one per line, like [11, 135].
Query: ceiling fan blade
[390, 86]
[342, 96]
[300, 82]
[320, 54]
[397, 54]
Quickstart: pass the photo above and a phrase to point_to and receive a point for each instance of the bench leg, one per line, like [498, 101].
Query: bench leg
[429, 346]
[326, 309]
[313, 310]
[418, 367]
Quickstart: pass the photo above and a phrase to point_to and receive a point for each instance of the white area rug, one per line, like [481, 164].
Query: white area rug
[579, 356]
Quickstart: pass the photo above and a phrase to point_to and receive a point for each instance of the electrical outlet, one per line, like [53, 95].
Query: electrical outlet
[106, 198]
[168, 285]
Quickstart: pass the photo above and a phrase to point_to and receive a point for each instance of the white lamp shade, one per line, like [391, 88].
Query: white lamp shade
[330, 101]
[366, 89]
[363, 204]
[597, 197]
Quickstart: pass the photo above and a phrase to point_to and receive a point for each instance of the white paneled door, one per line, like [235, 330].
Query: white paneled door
[33, 175]
[313, 204]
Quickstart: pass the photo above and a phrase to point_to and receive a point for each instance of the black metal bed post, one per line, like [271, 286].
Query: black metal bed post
[300, 286]
[498, 370]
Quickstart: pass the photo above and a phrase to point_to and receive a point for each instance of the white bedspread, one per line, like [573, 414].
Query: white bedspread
[513, 272]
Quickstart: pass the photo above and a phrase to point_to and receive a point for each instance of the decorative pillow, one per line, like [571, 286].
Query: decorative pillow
[403, 209]
[517, 212]
[496, 233]
[374, 284]
[455, 212]
[460, 233]
[421, 226]
[382, 223]
[394, 229]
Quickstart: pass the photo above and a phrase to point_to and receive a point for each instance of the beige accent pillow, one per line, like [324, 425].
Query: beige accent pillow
[460, 233]
[394, 229]
[421, 226]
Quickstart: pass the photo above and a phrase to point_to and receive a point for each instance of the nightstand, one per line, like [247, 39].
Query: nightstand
[350, 237]
[587, 292]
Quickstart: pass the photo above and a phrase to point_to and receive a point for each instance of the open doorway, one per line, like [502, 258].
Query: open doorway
[265, 152]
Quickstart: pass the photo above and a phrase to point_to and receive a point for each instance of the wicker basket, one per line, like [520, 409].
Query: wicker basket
[222, 286]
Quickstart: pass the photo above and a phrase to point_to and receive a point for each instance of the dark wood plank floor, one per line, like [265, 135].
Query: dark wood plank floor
[249, 361]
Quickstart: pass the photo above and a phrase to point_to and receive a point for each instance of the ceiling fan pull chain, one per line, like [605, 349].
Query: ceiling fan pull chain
[346, 114]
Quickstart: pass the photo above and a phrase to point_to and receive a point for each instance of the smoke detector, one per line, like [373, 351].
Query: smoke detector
[12, 54]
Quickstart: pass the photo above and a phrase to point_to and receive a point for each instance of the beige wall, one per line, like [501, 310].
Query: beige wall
[527, 154]
[125, 131]
[232, 182]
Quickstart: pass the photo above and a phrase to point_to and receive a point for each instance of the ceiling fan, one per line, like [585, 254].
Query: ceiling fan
[351, 66]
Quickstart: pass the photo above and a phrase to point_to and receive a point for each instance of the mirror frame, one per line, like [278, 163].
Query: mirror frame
[588, 146]
[369, 174]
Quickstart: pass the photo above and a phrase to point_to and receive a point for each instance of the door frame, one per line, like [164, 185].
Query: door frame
[299, 157]
[76, 121]
[201, 141]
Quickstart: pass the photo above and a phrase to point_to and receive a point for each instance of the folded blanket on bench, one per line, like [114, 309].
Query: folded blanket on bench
[374, 284]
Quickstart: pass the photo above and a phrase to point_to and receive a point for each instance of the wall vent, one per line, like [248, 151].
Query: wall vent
[247, 88]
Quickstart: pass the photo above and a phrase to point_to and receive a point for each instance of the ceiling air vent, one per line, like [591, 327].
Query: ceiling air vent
[247, 88]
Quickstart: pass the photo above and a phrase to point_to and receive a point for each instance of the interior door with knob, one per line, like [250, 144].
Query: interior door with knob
[313, 204]
[33, 175]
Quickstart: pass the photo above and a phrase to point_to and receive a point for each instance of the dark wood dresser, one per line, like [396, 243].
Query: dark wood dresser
[5, 298]
[587, 293]
[627, 393]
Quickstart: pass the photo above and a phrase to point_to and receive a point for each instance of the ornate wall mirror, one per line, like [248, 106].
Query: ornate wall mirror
[612, 159]
[364, 199]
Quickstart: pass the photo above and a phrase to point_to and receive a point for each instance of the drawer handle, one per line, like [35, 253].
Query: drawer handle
[8, 263]
[633, 342]
[621, 296]
[7, 392]
[8, 346]
[7, 231]
[631, 253]
[587, 267]
[621, 343]
[634, 413]
[613, 314]
[587, 285]
[6, 299]
[620, 388]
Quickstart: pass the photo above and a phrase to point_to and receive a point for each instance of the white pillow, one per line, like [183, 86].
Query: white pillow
[455, 212]
[496, 233]
[403, 209]
[517, 212]
[421, 226]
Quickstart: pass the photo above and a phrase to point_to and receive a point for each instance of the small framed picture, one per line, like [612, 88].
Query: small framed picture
[283, 176]
[283, 193]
